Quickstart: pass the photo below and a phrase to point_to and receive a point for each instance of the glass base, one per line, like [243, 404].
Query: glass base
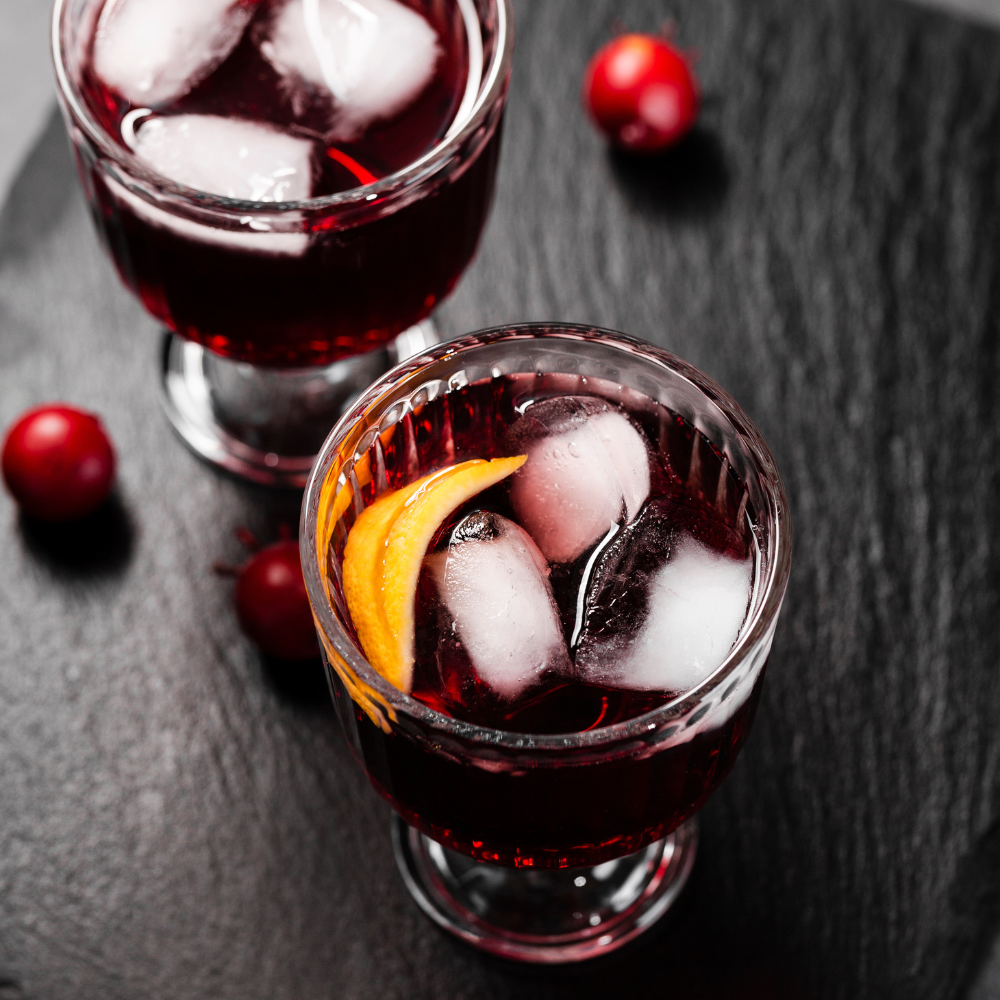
[267, 424]
[545, 916]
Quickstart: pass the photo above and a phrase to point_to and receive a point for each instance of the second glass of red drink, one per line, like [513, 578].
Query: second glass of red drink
[290, 186]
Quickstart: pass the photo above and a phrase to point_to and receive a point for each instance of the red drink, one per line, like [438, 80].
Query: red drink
[589, 808]
[588, 634]
[315, 281]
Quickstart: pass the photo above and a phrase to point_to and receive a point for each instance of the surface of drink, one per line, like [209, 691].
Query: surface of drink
[257, 62]
[273, 102]
[609, 575]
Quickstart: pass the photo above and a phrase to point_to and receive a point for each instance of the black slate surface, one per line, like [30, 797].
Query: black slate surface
[179, 819]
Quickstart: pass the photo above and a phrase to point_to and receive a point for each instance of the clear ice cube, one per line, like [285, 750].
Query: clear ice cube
[374, 56]
[587, 469]
[227, 156]
[154, 51]
[664, 609]
[493, 583]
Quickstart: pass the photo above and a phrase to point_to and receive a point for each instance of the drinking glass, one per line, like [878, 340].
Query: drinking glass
[548, 848]
[279, 313]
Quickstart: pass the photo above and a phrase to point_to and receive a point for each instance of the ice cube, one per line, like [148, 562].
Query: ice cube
[374, 56]
[693, 609]
[493, 582]
[587, 469]
[227, 156]
[154, 51]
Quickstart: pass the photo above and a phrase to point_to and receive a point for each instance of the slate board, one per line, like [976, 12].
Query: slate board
[179, 819]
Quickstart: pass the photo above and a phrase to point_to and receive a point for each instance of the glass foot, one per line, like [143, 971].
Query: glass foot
[545, 916]
[265, 424]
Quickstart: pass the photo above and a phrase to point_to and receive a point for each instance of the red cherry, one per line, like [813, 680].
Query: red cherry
[272, 604]
[641, 93]
[58, 463]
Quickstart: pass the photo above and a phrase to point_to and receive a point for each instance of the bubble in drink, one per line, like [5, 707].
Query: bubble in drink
[227, 156]
[374, 57]
[587, 469]
[493, 584]
[152, 51]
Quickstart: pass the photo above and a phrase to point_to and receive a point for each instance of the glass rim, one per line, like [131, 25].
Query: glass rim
[772, 588]
[410, 176]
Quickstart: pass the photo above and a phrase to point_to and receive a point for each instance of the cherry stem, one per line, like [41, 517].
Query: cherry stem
[247, 539]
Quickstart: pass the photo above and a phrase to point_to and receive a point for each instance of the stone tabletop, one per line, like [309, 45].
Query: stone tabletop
[181, 819]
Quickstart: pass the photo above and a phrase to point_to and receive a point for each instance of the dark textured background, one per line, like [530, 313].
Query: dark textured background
[180, 820]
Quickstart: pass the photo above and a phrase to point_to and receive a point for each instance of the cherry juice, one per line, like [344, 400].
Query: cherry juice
[535, 803]
[326, 281]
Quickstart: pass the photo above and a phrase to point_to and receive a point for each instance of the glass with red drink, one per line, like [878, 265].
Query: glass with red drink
[589, 632]
[289, 186]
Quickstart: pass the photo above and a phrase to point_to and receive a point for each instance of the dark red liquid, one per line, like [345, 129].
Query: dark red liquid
[365, 273]
[583, 810]
[546, 807]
